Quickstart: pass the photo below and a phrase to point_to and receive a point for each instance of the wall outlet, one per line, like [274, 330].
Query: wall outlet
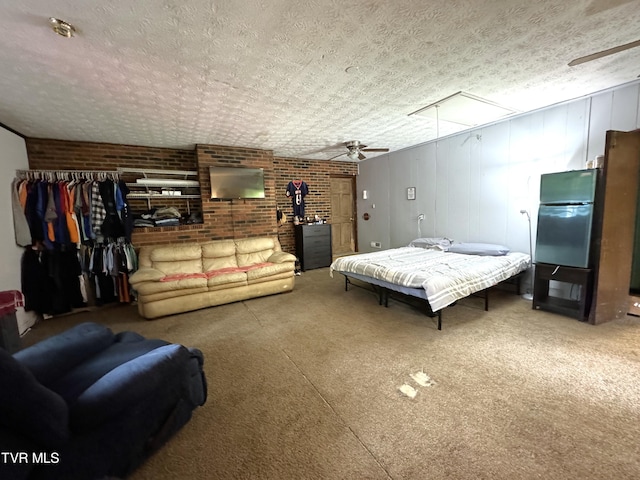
[376, 244]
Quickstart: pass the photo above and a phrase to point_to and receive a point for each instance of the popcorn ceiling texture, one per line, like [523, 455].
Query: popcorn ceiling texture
[276, 75]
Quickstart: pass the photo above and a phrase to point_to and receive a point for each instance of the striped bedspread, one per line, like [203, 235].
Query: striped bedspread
[445, 277]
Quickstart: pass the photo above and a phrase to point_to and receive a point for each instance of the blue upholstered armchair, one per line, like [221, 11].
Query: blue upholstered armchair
[91, 404]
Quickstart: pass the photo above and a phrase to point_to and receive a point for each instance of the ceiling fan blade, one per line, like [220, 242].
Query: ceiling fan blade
[361, 156]
[374, 149]
[338, 155]
[604, 53]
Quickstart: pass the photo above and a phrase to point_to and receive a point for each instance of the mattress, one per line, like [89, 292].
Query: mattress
[445, 277]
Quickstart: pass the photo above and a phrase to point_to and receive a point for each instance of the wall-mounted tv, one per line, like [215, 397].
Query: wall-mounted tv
[236, 182]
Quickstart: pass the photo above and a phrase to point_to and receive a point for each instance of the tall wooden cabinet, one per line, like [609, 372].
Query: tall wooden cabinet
[612, 276]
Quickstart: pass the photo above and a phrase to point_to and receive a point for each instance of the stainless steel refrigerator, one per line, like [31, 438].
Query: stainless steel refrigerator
[566, 218]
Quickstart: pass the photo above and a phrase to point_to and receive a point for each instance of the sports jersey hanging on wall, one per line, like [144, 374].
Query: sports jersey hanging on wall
[297, 190]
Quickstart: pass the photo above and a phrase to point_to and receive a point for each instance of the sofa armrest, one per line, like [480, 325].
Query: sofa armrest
[53, 357]
[28, 409]
[160, 372]
[281, 257]
[146, 274]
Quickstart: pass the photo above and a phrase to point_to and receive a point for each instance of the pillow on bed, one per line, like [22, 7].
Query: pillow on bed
[431, 242]
[487, 249]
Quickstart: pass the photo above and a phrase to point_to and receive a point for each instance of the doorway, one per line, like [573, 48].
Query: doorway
[343, 220]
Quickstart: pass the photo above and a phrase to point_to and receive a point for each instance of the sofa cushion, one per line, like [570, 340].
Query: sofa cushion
[148, 288]
[177, 258]
[272, 278]
[153, 297]
[77, 380]
[218, 254]
[53, 357]
[269, 270]
[179, 266]
[255, 250]
[176, 252]
[129, 384]
[227, 280]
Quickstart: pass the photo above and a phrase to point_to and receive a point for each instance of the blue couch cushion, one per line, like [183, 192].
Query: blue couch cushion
[53, 357]
[160, 371]
[30, 409]
[81, 377]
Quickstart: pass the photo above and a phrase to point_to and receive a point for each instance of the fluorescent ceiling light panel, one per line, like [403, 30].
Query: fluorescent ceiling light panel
[464, 109]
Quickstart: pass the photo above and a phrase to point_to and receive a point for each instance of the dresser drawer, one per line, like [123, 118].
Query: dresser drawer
[310, 231]
[316, 242]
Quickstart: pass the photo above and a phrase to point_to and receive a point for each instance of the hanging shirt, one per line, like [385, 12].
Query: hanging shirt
[20, 224]
[297, 190]
[72, 220]
[98, 212]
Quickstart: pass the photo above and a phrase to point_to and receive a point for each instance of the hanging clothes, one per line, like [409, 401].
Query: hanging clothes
[85, 211]
[36, 284]
[58, 220]
[32, 212]
[98, 212]
[70, 214]
[126, 215]
[20, 223]
[111, 223]
[297, 190]
[50, 280]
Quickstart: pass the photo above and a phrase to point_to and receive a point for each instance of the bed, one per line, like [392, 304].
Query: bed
[439, 274]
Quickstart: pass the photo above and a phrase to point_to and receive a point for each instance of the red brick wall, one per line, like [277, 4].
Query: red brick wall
[237, 218]
[316, 174]
[222, 218]
[46, 154]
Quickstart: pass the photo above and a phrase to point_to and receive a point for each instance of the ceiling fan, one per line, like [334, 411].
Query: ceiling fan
[355, 149]
[604, 53]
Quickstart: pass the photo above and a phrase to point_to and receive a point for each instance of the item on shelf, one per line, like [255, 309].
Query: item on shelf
[180, 185]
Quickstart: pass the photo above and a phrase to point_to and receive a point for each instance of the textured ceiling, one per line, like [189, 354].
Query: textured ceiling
[295, 76]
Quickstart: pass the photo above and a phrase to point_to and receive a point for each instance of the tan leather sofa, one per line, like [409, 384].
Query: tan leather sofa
[182, 277]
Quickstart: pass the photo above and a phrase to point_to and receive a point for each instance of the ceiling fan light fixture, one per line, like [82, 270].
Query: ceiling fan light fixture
[353, 154]
[62, 28]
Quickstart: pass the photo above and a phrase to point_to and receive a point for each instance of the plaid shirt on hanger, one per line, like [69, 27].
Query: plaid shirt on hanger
[98, 212]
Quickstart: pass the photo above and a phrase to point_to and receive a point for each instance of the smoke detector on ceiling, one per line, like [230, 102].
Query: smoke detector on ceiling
[62, 28]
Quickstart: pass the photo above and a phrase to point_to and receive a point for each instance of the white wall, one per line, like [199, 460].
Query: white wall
[13, 157]
[471, 186]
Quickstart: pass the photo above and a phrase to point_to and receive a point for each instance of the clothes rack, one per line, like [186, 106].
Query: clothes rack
[62, 175]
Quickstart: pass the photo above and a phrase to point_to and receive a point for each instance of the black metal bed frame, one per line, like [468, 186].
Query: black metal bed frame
[384, 293]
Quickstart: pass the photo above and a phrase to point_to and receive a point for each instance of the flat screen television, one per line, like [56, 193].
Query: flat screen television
[236, 182]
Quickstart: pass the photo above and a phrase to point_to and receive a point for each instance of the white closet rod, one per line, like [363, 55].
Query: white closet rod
[67, 174]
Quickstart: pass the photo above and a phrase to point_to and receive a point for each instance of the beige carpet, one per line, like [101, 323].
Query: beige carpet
[305, 385]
